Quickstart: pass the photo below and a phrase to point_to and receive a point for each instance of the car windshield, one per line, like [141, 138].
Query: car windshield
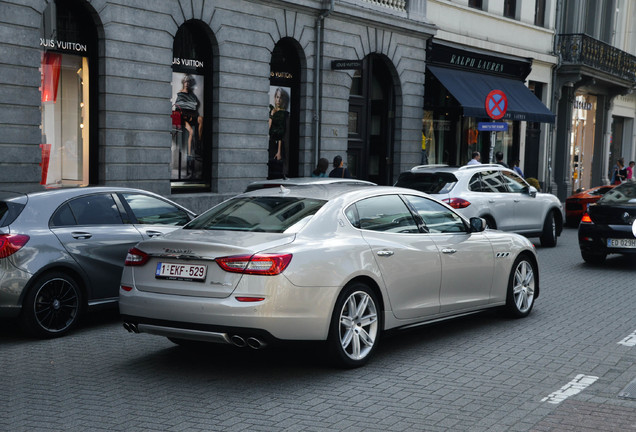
[260, 214]
[600, 191]
[432, 183]
[622, 194]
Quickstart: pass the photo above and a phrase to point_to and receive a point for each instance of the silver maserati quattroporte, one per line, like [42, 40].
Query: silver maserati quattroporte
[334, 263]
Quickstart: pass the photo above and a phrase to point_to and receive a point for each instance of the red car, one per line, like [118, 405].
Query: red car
[575, 205]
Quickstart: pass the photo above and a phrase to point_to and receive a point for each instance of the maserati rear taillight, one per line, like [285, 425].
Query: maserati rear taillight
[11, 243]
[457, 203]
[259, 264]
[586, 218]
[136, 257]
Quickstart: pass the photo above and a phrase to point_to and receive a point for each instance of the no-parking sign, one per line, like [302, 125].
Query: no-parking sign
[496, 104]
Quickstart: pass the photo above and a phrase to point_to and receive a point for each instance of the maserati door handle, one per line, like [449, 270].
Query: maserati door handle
[154, 233]
[449, 251]
[385, 253]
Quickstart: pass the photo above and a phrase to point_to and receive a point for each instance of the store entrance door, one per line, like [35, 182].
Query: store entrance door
[371, 112]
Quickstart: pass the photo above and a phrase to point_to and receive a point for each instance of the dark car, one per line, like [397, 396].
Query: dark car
[576, 204]
[606, 227]
[62, 251]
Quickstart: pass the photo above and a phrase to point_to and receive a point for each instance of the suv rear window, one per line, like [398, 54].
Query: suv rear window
[260, 214]
[432, 183]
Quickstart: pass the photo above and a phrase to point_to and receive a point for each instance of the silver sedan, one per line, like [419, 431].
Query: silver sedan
[329, 263]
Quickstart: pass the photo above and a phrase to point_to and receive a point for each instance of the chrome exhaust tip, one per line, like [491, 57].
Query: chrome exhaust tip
[238, 341]
[255, 343]
[132, 328]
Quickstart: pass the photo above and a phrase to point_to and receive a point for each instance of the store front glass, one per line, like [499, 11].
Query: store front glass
[284, 110]
[458, 82]
[451, 138]
[67, 80]
[191, 148]
[582, 141]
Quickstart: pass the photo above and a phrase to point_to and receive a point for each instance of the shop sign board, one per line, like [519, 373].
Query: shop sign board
[346, 64]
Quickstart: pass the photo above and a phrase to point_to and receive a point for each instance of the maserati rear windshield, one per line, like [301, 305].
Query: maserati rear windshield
[258, 214]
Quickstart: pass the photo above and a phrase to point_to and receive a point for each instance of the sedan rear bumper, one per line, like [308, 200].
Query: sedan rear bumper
[292, 313]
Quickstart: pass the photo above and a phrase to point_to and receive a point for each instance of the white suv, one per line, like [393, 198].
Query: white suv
[493, 192]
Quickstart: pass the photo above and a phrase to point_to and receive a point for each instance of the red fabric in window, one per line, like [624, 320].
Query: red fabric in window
[51, 63]
[46, 154]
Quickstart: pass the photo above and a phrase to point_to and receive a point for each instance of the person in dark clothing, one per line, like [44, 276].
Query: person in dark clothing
[338, 169]
[499, 159]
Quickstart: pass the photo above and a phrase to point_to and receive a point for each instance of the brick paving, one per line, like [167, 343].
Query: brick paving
[480, 373]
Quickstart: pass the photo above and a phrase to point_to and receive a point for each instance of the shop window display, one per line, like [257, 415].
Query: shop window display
[65, 125]
[190, 118]
[67, 42]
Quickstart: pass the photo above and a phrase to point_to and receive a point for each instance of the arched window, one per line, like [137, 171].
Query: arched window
[69, 94]
[284, 110]
[192, 109]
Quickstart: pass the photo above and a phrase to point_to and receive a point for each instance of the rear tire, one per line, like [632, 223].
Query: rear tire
[549, 236]
[521, 287]
[593, 258]
[355, 328]
[52, 306]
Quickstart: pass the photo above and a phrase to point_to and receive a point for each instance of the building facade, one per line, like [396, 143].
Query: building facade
[194, 99]
[481, 46]
[594, 92]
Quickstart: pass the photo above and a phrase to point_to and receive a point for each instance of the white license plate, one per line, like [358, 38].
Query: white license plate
[621, 243]
[185, 272]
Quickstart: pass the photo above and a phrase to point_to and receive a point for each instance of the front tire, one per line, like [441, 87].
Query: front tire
[52, 306]
[521, 287]
[549, 236]
[355, 328]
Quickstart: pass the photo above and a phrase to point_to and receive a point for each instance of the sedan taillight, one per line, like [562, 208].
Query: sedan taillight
[11, 243]
[259, 264]
[586, 218]
[456, 203]
[136, 257]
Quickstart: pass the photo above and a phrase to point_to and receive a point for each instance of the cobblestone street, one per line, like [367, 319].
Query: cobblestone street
[561, 369]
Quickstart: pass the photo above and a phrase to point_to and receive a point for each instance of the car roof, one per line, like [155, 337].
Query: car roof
[59, 195]
[71, 191]
[300, 181]
[329, 192]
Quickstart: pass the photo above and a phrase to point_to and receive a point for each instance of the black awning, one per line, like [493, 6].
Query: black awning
[470, 89]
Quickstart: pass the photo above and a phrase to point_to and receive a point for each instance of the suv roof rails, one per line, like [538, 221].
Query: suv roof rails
[480, 166]
[418, 167]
